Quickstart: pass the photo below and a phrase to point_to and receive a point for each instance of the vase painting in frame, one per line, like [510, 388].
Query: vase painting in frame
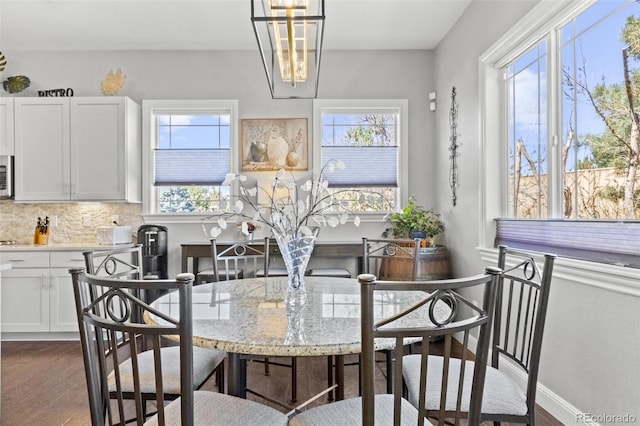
[274, 144]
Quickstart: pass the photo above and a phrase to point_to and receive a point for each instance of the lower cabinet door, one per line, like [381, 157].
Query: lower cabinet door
[25, 300]
[62, 309]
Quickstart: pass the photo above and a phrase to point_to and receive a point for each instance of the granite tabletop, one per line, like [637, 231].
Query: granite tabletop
[250, 316]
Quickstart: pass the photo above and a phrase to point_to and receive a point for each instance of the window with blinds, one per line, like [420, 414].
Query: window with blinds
[367, 139]
[573, 186]
[191, 150]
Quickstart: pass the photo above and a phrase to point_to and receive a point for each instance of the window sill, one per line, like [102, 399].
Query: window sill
[614, 278]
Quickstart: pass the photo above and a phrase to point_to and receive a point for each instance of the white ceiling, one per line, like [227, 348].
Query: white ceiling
[213, 24]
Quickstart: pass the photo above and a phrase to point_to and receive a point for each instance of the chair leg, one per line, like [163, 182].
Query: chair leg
[294, 379]
[359, 374]
[220, 377]
[330, 377]
[390, 371]
[340, 377]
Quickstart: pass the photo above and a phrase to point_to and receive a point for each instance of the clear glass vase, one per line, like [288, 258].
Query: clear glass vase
[296, 252]
[295, 325]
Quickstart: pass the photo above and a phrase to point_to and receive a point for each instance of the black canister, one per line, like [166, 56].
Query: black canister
[154, 251]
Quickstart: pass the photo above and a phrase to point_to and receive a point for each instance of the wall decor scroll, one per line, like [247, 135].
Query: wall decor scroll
[274, 143]
[453, 146]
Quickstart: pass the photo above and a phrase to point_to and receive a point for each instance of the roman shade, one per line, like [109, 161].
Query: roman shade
[604, 241]
[190, 166]
[365, 166]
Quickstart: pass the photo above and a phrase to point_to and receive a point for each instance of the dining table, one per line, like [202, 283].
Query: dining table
[250, 317]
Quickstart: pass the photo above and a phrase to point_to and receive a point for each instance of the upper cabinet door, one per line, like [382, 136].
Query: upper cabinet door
[98, 148]
[42, 149]
[6, 127]
[105, 149]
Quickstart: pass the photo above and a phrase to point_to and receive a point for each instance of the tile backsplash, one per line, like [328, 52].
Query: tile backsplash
[77, 222]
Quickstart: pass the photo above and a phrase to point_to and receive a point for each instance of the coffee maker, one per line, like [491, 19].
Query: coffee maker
[154, 251]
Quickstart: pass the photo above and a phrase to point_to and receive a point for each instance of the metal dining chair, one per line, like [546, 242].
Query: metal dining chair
[521, 303]
[238, 259]
[388, 259]
[391, 259]
[117, 383]
[126, 263]
[462, 318]
[242, 259]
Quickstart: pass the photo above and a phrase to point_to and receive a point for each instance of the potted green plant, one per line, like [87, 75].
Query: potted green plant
[414, 221]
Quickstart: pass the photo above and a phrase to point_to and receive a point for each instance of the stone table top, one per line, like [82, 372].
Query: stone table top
[250, 316]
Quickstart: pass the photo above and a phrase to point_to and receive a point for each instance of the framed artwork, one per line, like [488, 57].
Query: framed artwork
[274, 143]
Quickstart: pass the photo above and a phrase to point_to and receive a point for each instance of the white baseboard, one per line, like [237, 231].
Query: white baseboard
[558, 407]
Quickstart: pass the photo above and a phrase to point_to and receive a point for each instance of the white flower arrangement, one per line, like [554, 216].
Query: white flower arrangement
[292, 210]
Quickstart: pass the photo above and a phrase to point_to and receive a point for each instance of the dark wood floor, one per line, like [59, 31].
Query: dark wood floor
[43, 384]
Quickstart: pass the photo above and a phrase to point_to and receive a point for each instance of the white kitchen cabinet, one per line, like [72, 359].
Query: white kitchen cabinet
[37, 294]
[106, 152]
[7, 135]
[78, 149]
[42, 150]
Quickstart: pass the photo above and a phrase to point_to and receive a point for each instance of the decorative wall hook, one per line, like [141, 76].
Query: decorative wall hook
[453, 146]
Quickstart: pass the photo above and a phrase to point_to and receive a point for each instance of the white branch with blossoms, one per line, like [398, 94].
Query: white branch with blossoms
[295, 214]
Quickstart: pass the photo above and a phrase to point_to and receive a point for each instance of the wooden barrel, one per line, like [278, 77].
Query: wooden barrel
[433, 263]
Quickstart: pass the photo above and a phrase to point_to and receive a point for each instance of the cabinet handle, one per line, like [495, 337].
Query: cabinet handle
[43, 281]
[16, 260]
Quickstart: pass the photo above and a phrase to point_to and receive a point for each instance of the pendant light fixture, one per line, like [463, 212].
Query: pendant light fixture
[289, 34]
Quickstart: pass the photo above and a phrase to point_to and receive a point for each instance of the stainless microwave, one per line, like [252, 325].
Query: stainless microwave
[6, 176]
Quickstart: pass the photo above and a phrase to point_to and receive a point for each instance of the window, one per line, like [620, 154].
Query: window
[191, 147]
[369, 137]
[568, 129]
[527, 130]
[595, 148]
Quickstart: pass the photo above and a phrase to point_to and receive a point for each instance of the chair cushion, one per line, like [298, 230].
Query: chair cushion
[220, 409]
[330, 272]
[206, 275]
[501, 395]
[273, 272]
[204, 362]
[349, 412]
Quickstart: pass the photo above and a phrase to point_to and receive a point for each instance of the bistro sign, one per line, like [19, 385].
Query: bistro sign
[56, 92]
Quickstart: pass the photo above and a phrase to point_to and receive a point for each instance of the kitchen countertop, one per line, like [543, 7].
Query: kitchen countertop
[58, 247]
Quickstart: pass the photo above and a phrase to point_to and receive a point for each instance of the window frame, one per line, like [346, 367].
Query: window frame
[400, 106]
[151, 108]
[540, 23]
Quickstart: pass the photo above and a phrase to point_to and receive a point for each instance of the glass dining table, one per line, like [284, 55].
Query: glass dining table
[250, 317]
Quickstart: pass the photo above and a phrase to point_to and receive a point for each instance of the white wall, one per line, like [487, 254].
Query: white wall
[240, 75]
[590, 362]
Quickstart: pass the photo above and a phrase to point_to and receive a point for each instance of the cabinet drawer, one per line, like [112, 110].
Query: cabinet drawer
[66, 259]
[24, 259]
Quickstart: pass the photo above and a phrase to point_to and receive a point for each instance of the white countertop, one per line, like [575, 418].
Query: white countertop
[58, 247]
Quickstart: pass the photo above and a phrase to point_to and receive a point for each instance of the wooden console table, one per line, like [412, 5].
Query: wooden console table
[327, 249]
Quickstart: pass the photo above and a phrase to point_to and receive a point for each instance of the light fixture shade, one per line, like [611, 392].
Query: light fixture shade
[289, 34]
